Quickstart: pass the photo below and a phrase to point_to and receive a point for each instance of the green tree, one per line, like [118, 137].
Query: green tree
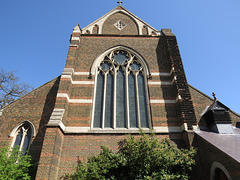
[14, 165]
[144, 157]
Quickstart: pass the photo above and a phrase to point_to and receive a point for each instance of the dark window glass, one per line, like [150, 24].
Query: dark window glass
[19, 137]
[132, 101]
[105, 66]
[142, 102]
[109, 102]
[119, 57]
[99, 101]
[135, 66]
[120, 67]
[120, 101]
[26, 142]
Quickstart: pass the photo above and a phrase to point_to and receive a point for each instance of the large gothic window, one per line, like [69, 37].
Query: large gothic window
[23, 137]
[120, 95]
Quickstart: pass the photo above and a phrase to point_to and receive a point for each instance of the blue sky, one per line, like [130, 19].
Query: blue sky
[34, 38]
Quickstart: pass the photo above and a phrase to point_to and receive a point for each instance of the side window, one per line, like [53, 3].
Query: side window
[120, 96]
[23, 137]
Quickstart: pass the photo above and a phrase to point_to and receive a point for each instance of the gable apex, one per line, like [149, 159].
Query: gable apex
[77, 29]
[143, 27]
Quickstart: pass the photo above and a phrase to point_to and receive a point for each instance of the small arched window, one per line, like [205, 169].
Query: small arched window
[121, 94]
[220, 175]
[95, 29]
[22, 137]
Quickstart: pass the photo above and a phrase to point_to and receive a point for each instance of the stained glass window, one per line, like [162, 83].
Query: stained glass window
[121, 95]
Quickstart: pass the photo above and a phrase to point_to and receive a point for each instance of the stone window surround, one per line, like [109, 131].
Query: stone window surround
[15, 131]
[217, 165]
[94, 71]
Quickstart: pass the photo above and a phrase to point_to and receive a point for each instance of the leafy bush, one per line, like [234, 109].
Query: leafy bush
[144, 157]
[13, 164]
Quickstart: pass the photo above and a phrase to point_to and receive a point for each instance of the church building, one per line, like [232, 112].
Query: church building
[121, 75]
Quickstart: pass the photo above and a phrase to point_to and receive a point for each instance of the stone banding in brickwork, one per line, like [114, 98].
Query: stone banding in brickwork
[65, 95]
[80, 130]
[152, 101]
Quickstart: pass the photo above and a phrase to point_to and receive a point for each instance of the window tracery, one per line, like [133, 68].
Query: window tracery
[23, 137]
[120, 25]
[120, 98]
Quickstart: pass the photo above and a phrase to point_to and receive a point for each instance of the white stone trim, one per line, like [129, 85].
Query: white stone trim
[162, 101]
[81, 73]
[163, 129]
[68, 71]
[172, 70]
[33, 130]
[74, 38]
[15, 131]
[77, 29]
[178, 98]
[140, 23]
[73, 45]
[159, 83]
[66, 76]
[160, 74]
[57, 115]
[82, 82]
[165, 101]
[217, 165]
[77, 82]
[162, 82]
[163, 73]
[65, 95]
[1, 111]
[86, 130]
[56, 118]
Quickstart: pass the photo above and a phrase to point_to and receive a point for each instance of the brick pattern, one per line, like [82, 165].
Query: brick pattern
[89, 49]
[130, 28]
[76, 148]
[51, 154]
[35, 107]
[185, 105]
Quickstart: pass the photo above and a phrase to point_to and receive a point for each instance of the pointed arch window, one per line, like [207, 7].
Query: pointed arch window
[120, 93]
[22, 137]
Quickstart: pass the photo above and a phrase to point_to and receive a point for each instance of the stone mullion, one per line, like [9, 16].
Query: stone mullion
[104, 99]
[127, 99]
[137, 97]
[23, 139]
[114, 98]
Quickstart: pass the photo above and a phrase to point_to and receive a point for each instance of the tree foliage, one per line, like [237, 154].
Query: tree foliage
[11, 88]
[14, 165]
[144, 157]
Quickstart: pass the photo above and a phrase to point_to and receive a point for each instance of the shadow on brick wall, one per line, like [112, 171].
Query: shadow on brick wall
[36, 146]
[169, 111]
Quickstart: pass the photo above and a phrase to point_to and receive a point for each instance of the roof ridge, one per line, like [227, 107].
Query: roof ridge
[30, 92]
[211, 98]
[120, 9]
